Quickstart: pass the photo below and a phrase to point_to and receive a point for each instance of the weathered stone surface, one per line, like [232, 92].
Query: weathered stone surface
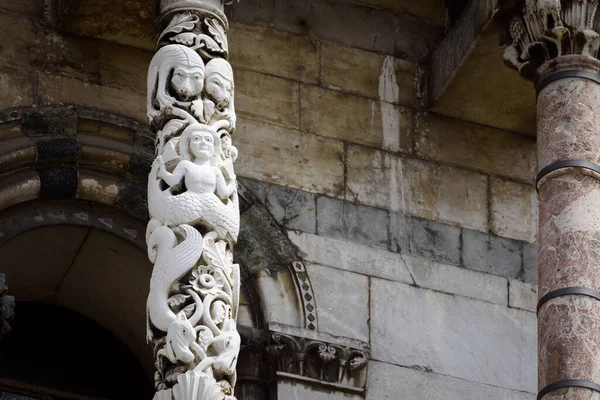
[345, 220]
[104, 154]
[17, 35]
[58, 182]
[250, 11]
[460, 281]
[357, 71]
[530, 263]
[375, 178]
[353, 257]
[49, 122]
[119, 66]
[273, 52]
[294, 209]
[491, 254]
[401, 268]
[68, 56]
[257, 188]
[132, 199]
[446, 194]
[492, 150]
[522, 295]
[386, 381]
[306, 161]
[17, 153]
[17, 90]
[343, 299]
[267, 98]
[294, 390]
[433, 10]
[57, 150]
[418, 188]
[429, 239]
[262, 244]
[97, 187]
[359, 26]
[134, 27]
[355, 119]
[479, 86]
[29, 7]
[16, 150]
[18, 187]
[514, 210]
[60, 91]
[452, 335]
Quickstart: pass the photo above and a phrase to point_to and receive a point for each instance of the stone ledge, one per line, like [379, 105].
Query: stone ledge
[321, 384]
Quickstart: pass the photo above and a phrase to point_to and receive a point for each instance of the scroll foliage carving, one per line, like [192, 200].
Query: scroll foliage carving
[541, 30]
[193, 203]
[340, 363]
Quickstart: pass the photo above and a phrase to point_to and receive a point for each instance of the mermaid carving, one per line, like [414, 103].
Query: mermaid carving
[193, 203]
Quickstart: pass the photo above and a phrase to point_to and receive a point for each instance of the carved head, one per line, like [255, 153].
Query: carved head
[225, 140]
[188, 76]
[227, 346]
[219, 82]
[200, 141]
[180, 336]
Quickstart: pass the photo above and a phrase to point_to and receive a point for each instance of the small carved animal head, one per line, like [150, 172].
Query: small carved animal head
[180, 336]
[188, 81]
[219, 82]
[227, 346]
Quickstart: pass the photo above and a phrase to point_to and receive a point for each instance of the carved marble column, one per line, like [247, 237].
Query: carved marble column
[556, 44]
[193, 203]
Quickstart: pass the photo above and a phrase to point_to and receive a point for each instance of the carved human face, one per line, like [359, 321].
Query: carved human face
[202, 144]
[225, 141]
[188, 82]
[219, 89]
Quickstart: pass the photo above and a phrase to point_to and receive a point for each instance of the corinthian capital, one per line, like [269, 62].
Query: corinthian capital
[541, 30]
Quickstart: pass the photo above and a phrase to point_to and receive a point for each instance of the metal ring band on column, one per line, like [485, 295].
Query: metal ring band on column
[566, 292]
[568, 384]
[565, 164]
[572, 73]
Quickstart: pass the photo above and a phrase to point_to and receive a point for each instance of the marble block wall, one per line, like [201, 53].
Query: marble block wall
[419, 230]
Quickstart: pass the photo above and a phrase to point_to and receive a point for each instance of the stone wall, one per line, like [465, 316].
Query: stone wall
[418, 230]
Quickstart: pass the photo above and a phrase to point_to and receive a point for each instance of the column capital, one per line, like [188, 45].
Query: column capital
[199, 24]
[167, 8]
[537, 31]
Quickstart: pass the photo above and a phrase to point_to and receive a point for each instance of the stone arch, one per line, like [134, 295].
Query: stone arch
[89, 168]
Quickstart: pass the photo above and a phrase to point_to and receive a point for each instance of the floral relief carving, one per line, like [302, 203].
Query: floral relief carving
[334, 360]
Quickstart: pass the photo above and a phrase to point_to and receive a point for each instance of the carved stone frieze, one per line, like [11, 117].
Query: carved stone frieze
[317, 356]
[7, 307]
[541, 30]
[193, 204]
